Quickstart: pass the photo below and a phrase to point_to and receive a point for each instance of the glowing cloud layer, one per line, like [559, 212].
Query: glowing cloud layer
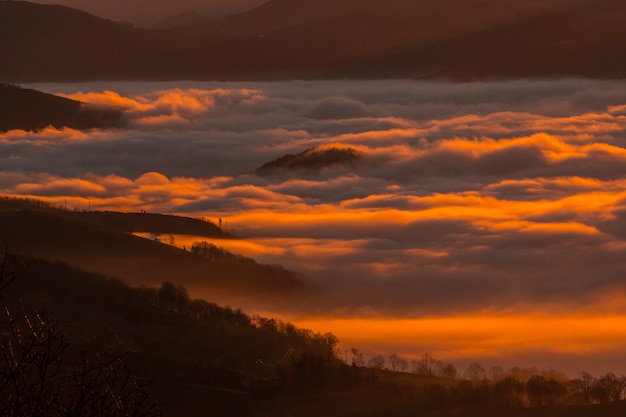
[471, 200]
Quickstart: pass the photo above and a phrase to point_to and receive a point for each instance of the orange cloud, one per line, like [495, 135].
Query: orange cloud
[108, 98]
[171, 106]
[495, 338]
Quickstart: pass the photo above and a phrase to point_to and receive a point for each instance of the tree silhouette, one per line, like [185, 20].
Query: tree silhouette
[475, 372]
[544, 391]
[42, 374]
[398, 363]
[357, 358]
[609, 388]
[376, 362]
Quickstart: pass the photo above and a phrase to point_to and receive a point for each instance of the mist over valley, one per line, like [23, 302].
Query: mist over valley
[295, 207]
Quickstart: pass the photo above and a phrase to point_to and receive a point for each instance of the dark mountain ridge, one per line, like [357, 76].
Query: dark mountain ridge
[50, 42]
[287, 39]
[581, 41]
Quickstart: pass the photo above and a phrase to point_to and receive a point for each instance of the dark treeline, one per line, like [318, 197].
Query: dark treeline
[22, 203]
[128, 348]
[211, 252]
[515, 387]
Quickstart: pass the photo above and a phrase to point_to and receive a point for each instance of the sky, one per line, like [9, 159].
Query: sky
[485, 221]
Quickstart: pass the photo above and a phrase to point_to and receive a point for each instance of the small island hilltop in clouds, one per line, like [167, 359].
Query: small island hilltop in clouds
[330, 207]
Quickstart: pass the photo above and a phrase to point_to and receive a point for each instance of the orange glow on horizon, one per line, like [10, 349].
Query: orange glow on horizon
[468, 337]
[285, 212]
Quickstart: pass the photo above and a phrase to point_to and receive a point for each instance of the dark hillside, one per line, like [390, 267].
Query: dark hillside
[150, 223]
[219, 357]
[28, 109]
[55, 42]
[573, 42]
[390, 22]
[123, 222]
[203, 359]
[89, 243]
[424, 38]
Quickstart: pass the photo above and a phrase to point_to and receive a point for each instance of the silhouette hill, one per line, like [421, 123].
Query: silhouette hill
[50, 42]
[27, 109]
[101, 242]
[189, 349]
[287, 39]
[200, 359]
[312, 160]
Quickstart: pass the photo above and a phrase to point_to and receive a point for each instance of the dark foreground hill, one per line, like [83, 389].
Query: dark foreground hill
[101, 242]
[297, 39]
[27, 109]
[87, 343]
[200, 359]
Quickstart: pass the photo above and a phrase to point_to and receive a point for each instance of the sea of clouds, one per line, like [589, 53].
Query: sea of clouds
[471, 198]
